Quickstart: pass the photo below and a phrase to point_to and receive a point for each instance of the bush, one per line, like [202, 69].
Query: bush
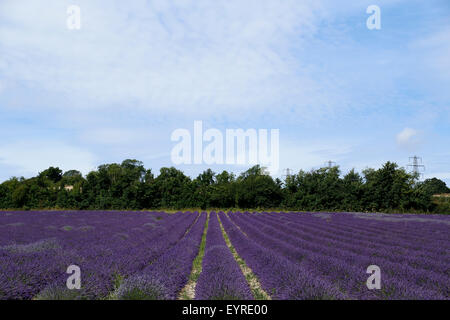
[141, 287]
[54, 292]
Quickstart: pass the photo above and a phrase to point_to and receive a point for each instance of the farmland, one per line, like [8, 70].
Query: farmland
[234, 255]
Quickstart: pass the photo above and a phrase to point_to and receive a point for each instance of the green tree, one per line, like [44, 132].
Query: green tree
[129, 185]
[387, 188]
[223, 194]
[173, 189]
[433, 186]
[256, 189]
[52, 173]
[352, 184]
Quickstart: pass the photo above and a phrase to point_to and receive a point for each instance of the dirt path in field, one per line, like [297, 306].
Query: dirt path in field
[192, 225]
[253, 282]
[235, 224]
[188, 292]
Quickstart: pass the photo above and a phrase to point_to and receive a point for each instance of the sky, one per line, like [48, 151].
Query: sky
[136, 71]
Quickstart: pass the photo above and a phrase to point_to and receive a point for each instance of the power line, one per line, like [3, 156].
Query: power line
[415, 165]
[288, 173]
[330, 163]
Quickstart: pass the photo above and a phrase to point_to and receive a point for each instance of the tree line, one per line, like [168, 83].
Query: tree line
[130, 185]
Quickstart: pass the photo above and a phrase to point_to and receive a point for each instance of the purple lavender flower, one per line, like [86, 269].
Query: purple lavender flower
[142, 287]
[221, 277]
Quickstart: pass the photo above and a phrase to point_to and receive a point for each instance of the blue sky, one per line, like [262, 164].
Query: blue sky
[134, 72]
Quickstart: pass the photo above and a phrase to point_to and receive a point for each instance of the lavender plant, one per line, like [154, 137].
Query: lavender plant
[221, 278]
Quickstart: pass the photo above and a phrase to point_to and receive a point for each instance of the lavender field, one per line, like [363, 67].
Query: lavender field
[249, 255]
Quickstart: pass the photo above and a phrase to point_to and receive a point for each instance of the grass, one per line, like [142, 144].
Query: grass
[188, 292]
[138, 288]
[443, 209]
[15, 224]
[118, 279]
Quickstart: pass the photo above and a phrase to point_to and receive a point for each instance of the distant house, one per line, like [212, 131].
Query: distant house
[68, 188]
[442, 195]
[442, 199]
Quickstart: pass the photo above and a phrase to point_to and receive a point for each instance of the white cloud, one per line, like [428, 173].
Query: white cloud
[178, 58]
[138, 69]
[407, 137]
[115, 136]
[437, 46]
[32, 157]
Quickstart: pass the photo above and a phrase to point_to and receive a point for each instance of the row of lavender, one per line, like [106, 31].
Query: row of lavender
[165, 277]
[279, 277]
[149, 255]
[37, 247]
[332, 252]
[221, 277]
[386, 242]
